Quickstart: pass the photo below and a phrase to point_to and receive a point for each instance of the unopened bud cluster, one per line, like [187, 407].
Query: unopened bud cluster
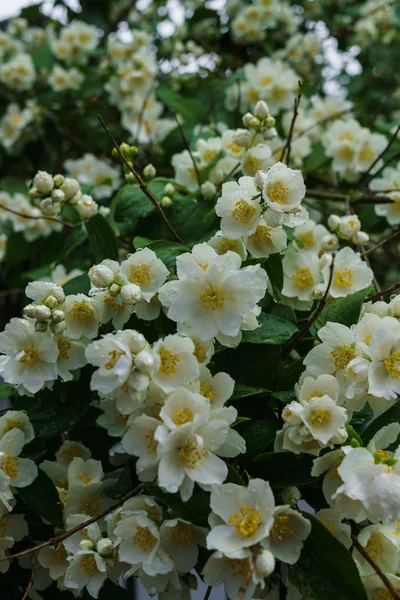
[261, 120]
[47, 306]
[348, 228]
[128, 152]
[104, 279]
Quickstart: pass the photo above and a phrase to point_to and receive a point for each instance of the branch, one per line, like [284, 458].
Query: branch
[385, 580]
[366, 177]
[31, 579]
[391, 237]
[343, 197]
[187, 146]
[385, 164]
[142, 185]
[208, 593]
[24, 216]
[290, 134]
[63, 536]
[315, 315]
[378, 295]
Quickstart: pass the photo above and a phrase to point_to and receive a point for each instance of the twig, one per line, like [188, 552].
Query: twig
[381, 293]
[343, 197]
[187, 146]
[315, 315]
[366, 177]
[385, 580]
[31, 579]
[385, 164]
[63, 536]
[391, 237]
[24, 216]
[141, 183]
[290, 134]
[208, 593]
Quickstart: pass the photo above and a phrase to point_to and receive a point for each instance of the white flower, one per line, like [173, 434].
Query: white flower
[81, 317]
[255, 159]
[384, 372]
[82, 473]
[183, 406]
[266, 240]
[332, 520]
[17, 419]
[323, 418]
[334, 354]
[180, 539]
[86, 569]
[311, 236]
[287, 534]
[15, 471]
[175, 363]
[71, 356]
[185, 171]
[43, 182]
[311, 387]
[284, 188]
[87, 207]
[55, 560]
[350, 274]
[381, 546]
[216, 300]
[111, 419]
[13, 528]
[60, 276]
[223, 244]
[140, 441]
[29, 357]
[301, 274]
[239, 206]
[19, 72]
[245, 515]
[145, 270]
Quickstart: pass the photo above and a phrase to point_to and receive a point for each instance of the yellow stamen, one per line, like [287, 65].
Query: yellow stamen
[213, 297]
[246, 520]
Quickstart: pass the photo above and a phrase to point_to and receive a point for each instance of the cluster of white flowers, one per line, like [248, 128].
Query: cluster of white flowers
[352, 147]
[348, 227]
[96, 173]
[390, 181]
[378, 21]
[14, 123]
[18, 73]
[301, 51]
[15, 472]
[61, 80]
[75, 42]
[252, 23]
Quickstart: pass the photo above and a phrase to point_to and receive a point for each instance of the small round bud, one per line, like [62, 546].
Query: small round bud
[29, 311]
[57, 316]
[43, 182]
[41, 327]
[42, 313]
[290, 495]
[58, 180]
[70, 187]
[169, 189]
[87, 207]
[57, 196]
[124, 148]
[105, 547]
[265, 563]
[47, 208]
[59, 294]
[261, 110]
[246, 119]
[51, 301]
[325, 260]
[130, 293]
[166, 202]
[242, 137]
[360, 238]
[33, 192]
[57, 328]
[270, 134]
[130, 178]
[149, 172]
[86, 545]
[255, 123]
[259, 179]
[137, 341]
[101, 276]
[104, 211]
[114, 289]
[333, 222]
[270, 122]
[144, 361]
[208, 190]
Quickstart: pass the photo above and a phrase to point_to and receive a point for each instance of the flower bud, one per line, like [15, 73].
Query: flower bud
[47, 208]
[57, 316]
[130, 293]
[57, 328]
[333, 222]
[255, 123]
[259, 179]
[42, 313]
[86, 545]
[51, 301]
[169, 189]
[270, 122]
[29, 310]
[166, 202]
[104, 211]
[144, 361]
[325, 260]
[70, 187]
[43, 182]
[114, 289]
[76, 198]
[87, 207]
[290, 495]
[149, 172]
[40, 327]
[330, 242]
[394, 306]
[270, 133]
[101, 276]
[58, 180]
[137, 341]
[58, 294]
[105, 547]
[246, 119]
[242, 137]
[361, 237]
[208, 190]
[261, 109]
[265, 563]
[57, 196]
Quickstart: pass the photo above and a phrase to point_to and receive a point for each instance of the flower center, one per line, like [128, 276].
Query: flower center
[114, 357]
[342, 355]
[91, 506]
[63, 347]
[281, 529]
[59, 556]
[30, 355]
[140, 274]
[88, 565]
[381, 594]
[392, 364]
[319, 418]
[277, 192]
[169, 362]
[307, 238]
[240, 566]
[10, 465]
[367, 153]
[374, 547]
[314, 394]
[151, 442]
[199, 351]
[262, 235]
[206, 390]
[226, 245]
[303, 277]
[344, 278]
[190, 454]
[144, 538]
[346, 153]
[213, 297]
[183, 535]
[246, 520]
[180, 417]
[81, 311]
[243, 211]
[85, 478]
[346, 136]
[112, 303]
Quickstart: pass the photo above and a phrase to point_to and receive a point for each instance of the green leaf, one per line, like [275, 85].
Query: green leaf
[342, 310]
[75, 239]
[77, 285]
[43, 58]
[130, 205]
[253, 365]
[272, 330]
[191, 110]
[274, 268]
[243, 391]
[125, 481]
[42, 497]
[362, 417]
[165, 251]
[317, 159]
[260, 435]
[195, 510]
[102, 239]
[325, 569]
[391, 415]
[192, 220]
[289, 375]
[283, 468]
[6, 391]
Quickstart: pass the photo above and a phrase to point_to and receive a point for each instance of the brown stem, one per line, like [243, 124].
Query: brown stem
[366, 177]
[142, 185]
[385, 580]
[290, 134]
[31, 579]
[208, 593]
[24, 216]
[391, 237]
[66, 534]
[343, 197]
[315, 315]
[379, 294]
[187, 146]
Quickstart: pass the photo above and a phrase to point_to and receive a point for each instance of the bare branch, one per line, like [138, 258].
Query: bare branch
[381, 243]
[291, 129]
[31, 579]
[379, 294]
[385, 580]
[208, 593]
[24, 216]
